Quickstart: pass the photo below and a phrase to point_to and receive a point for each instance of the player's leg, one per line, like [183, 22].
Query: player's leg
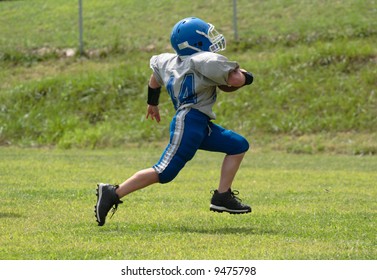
[229, 168]
[108, 196]
[235, 147]
[139, 180]
[187, 130]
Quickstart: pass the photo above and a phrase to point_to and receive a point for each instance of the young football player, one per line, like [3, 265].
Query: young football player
[191, 76]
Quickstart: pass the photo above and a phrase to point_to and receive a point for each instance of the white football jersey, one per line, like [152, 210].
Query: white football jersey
[192, 81]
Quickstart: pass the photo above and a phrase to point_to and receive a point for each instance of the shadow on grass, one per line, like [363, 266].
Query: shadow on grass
[158, 228]
[10, 215]
[223, 230]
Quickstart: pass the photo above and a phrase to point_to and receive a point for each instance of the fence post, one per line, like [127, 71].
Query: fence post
[235, 28]
[81, 43]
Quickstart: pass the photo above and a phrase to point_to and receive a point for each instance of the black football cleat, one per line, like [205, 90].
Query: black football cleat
[228, 202]
[107, 199]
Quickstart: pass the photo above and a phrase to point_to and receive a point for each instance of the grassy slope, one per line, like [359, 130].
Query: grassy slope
[314, 62]
[304, 207]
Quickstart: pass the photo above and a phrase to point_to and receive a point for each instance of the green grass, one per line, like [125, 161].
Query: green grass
[314, 64]
[304, 207]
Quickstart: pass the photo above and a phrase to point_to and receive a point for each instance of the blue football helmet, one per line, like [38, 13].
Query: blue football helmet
[191, 35]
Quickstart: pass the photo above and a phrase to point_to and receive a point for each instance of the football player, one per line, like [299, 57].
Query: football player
[191, 76]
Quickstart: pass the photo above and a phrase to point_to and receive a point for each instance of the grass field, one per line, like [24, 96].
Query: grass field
[304, 207]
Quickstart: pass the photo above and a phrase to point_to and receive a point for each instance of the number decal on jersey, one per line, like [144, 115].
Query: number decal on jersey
[170, 89]
[186, 93]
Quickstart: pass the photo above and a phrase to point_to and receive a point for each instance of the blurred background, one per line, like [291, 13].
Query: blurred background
[314, 64]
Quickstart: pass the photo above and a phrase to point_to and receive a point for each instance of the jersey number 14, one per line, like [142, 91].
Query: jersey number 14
[186, 94]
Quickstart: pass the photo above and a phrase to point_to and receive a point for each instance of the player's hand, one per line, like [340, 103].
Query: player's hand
[154, 112]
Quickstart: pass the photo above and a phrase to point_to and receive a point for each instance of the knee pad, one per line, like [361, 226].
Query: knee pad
[244, 145]
[171, 171]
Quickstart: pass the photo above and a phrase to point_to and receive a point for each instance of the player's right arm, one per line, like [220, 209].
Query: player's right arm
[237, 79]
[225, 74]
[154, 90]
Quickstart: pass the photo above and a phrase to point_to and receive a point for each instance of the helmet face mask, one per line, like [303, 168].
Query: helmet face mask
[192, 35]
[218, 40]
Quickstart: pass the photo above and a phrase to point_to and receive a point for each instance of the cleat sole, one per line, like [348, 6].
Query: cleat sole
[220, 209]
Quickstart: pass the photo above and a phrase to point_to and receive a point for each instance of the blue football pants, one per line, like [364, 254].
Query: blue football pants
[191, 130]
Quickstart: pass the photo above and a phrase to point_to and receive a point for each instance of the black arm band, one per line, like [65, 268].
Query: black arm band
[248, 78]
[153, 95]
